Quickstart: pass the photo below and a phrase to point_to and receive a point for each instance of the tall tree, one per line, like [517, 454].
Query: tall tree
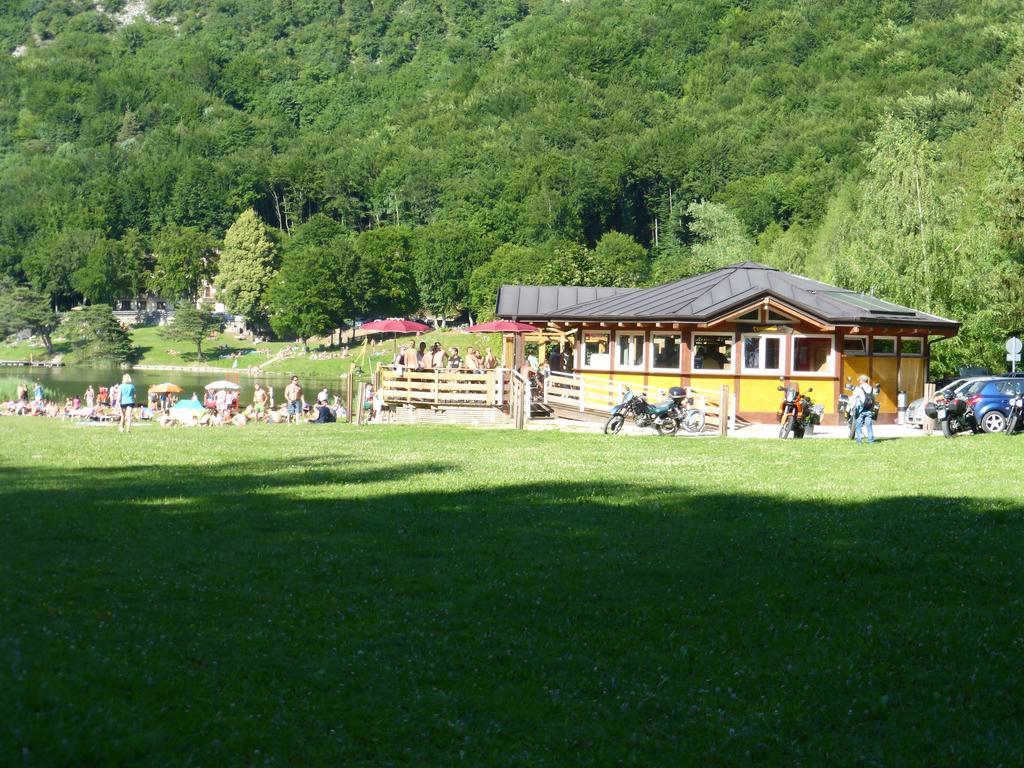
[310, 295]
[23, 309]
[186, 260]
[192, 325]
[98, 336]
[246, 268]
[384, 281]
[445, 254]
[113, 270]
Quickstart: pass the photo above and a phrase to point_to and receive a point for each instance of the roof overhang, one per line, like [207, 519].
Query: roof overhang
[769, 301]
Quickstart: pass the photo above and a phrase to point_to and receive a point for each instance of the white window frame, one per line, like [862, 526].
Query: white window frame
[867, 347]
[895, 346]
[641, 341]
[918, 339]
[583, 350]
[693, 353]
[762, 336]
[828, 372]
[678, 336]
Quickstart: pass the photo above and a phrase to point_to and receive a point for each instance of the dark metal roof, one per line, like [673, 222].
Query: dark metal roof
[705, 297]
[541, 301]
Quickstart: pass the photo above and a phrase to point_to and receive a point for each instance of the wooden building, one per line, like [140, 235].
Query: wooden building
[744, 326]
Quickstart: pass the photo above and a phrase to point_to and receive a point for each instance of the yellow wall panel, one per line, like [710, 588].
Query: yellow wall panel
[759, 395]
[885, 375]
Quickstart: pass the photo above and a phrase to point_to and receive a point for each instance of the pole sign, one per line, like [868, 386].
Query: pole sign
[1013, 349]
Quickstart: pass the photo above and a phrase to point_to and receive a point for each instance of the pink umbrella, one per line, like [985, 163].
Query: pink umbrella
[502, 326]
[394, 326]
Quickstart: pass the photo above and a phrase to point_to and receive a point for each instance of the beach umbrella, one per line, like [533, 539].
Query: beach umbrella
[166, 389]
[216, 386]
[505, 326]
[185, 406]
[502, 326]
[394, 325]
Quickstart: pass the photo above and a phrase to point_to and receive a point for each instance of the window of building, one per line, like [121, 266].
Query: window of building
[911, 347]
[595, 351]
[883, 345]
[665, 351]
[812, 354]
[775, 317]
[762, 353]
[855, 345]
[754, 316]
[630, 348]
[712, 351]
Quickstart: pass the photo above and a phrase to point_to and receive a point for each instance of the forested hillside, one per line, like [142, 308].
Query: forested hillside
[415, 155]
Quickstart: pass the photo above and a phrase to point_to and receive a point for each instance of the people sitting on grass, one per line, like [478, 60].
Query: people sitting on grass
[322, 414]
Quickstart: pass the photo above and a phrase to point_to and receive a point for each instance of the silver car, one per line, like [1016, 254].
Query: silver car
[915, 411]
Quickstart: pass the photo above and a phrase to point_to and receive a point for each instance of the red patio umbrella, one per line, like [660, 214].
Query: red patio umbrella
[502, 326]
[394, 326]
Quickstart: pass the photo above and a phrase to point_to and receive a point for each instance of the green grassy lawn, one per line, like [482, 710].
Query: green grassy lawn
[217, 352]
[437, 596]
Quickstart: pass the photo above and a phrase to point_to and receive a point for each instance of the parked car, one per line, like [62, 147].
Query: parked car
[990, 397]
[915, 411]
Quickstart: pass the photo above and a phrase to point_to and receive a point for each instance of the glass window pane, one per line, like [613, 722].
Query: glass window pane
[595, 349]
[630, 350]
[752, 352]
[910, 346]
[811, 355]
[855, 345]
[712, 353]
[771, 353]
[666, 351]
[883, 346]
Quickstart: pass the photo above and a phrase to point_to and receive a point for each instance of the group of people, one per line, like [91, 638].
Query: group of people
[114, 403]
[436, 358]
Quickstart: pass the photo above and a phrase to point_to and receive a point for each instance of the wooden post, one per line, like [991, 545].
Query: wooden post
[348, 397]
[929, 396]
[723, 411]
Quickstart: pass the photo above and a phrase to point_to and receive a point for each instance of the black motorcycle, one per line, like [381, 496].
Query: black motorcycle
[954, 415]
[664, 417]
[1013, 418]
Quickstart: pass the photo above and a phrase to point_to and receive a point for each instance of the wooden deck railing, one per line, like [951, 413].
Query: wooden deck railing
[444, 387]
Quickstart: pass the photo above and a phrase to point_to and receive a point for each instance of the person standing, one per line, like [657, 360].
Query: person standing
[490, 361]
[293, 396]
[90, 397]
[126, 399]
[115, 399]
[37, 393]
[259, 401]
[862, 405]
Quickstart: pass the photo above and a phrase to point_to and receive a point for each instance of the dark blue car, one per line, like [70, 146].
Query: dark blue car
[990, 399]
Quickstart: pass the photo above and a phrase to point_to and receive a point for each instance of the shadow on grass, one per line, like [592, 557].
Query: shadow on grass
[362, 615]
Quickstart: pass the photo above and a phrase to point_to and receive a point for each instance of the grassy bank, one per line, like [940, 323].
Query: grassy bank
[219, 351]
[431, 596]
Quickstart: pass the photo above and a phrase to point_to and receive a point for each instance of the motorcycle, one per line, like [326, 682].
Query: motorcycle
[797, 412]
[690, 419]
[954, 414]
[664, 417]
[1013, 418]
[843, 408]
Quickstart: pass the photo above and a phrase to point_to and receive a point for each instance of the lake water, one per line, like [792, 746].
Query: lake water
[74, 380]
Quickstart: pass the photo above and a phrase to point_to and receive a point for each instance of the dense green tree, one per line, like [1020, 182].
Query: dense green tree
[246, 268]
[54, 258]
[23, 309]
[113, 270]
[98, 337]
[310, 295]
[718, 238]
[622, 260]
[508, 265]
[193, 325]
[383, 282]
[445, 254]
[186, 259]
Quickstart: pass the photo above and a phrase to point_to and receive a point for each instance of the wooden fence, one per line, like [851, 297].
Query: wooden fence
[443, 387]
